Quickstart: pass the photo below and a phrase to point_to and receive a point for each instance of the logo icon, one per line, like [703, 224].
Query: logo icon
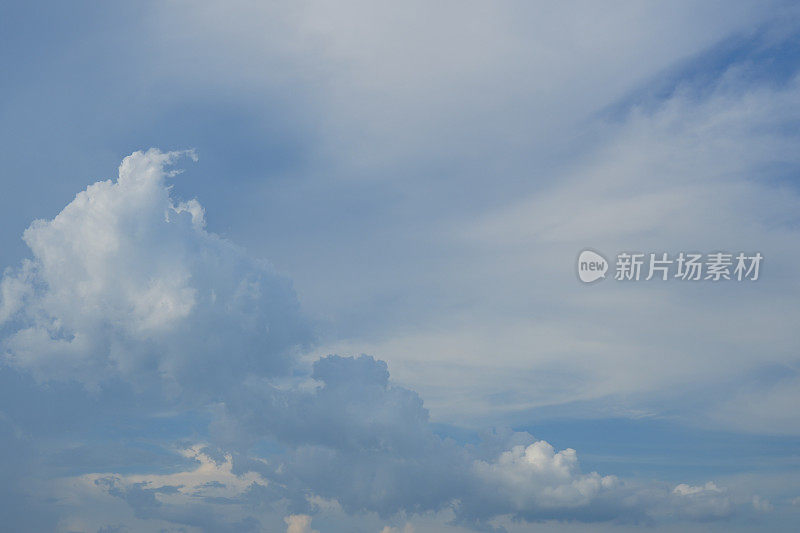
[591, 266]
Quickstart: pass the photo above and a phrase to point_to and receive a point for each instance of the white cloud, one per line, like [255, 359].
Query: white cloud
[299, 523]
[208, 496]
[476, 80]
[690, 490]
[694, 172]
[211, 476]
[702, 501]
[538, 476]
[126, 283]
[762, 505]
[359, 423]
[408, 528]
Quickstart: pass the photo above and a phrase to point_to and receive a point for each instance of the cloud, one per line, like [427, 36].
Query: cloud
[357, 425]
[299, 523]
[356, 438]
[688, 490]
[408, 528]
[702, 502]
[125, 283]
[208, 496]
[538, 476]
[762, 504]
[359, 439]
[709, 166]
[461, 90]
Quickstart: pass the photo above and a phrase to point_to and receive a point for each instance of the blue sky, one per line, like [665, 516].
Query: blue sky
[183, 351]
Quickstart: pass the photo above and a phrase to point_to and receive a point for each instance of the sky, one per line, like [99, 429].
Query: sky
[311, 267]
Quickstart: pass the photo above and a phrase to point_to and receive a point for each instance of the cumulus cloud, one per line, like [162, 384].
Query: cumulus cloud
[537, 475]
[357, 438]
[126, 283]
[702, 501]
[299, 523]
